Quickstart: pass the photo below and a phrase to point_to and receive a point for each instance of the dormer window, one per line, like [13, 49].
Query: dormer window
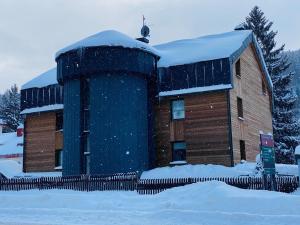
[238, 68]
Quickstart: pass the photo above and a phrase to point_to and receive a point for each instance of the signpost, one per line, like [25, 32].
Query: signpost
[268, 159]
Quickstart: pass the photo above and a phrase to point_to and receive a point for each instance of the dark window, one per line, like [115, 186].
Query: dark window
[242, 150]
[238, 68]
[86, 104]
[59, 121]
[178, 109]
[179, 151]
[240, 107]
[58, 157]
[263, 87]
[85, 149]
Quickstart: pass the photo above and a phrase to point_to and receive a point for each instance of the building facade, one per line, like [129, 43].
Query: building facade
[128, 106]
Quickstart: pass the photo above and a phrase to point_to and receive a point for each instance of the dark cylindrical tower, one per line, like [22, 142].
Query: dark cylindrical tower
[108, 96]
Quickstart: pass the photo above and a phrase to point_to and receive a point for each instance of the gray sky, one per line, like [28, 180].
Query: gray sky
[31, 31]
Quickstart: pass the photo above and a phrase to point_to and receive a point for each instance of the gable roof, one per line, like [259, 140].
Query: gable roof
[43, 80]
[211, 47]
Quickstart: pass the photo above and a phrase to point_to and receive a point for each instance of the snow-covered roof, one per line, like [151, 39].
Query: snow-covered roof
[43, 80]
[108, 38]
[10, 144]
[199, 49]
[225, 45]
[43, 108]
[195, 90]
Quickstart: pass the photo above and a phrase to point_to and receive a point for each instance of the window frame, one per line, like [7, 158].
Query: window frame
[172, 109]
[240, 108]
[58, 157]
[59, 122]
[178, 149]
[238, 68]
[243, 150]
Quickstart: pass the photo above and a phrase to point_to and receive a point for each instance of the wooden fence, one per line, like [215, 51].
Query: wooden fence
[285, 184]
[118, 182]
[130, 182]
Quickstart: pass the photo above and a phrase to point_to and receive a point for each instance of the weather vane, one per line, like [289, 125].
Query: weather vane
[145, 31]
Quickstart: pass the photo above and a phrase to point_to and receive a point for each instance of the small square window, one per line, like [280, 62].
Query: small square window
[178, 109]
[238, 68]
[242, 150]
[58, 157]
[240, 107]
[179, 151]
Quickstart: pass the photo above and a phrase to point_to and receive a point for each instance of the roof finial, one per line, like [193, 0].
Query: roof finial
[145, 31]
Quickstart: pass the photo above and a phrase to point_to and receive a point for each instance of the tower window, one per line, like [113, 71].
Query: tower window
[238, 68]
[178, 109]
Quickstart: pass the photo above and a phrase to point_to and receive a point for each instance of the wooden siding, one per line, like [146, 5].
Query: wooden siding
[204, 129]
[256, 106]
[40, 142]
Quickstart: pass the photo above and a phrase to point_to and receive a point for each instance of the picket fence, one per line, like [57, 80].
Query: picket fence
[131, 182]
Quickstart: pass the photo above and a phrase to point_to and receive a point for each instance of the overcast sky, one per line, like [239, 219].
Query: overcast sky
[31, 31]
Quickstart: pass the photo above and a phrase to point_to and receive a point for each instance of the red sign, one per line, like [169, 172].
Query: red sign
[266, 140]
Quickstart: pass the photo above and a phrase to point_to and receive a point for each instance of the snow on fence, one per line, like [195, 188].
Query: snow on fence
[286, 184]
[130, 182]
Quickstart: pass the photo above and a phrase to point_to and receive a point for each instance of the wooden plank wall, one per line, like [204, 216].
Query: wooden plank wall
[205, 129]
[256, 106]
[40, 142]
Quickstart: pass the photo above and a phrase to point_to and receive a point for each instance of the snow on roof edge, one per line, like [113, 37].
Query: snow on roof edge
[43, 109]
[45, 79]
[108, 38]
[195, 90]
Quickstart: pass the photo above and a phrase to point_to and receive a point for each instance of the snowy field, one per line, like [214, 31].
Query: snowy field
[209, 203]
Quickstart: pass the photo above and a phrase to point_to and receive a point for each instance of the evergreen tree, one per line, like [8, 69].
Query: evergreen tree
[10, 108]
[286, 128]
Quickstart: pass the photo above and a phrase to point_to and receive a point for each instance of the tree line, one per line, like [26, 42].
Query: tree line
[10, 109]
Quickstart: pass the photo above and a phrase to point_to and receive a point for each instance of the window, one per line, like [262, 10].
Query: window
[59, 121]
[242, 150]
[179, 151]
[86, 104]
[178, 109]
[240, 107]
[263, 87]
[238, 68]
[58, 158]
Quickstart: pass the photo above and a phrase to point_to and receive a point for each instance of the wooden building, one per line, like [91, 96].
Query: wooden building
[41, 100]
[211, 98]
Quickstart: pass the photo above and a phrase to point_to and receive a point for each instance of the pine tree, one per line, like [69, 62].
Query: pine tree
[10, 108]
[286, 128]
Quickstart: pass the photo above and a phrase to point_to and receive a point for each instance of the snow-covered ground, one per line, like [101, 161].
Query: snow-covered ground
[242, 169]
[11, 168]
[10, 144]
[212, 203]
